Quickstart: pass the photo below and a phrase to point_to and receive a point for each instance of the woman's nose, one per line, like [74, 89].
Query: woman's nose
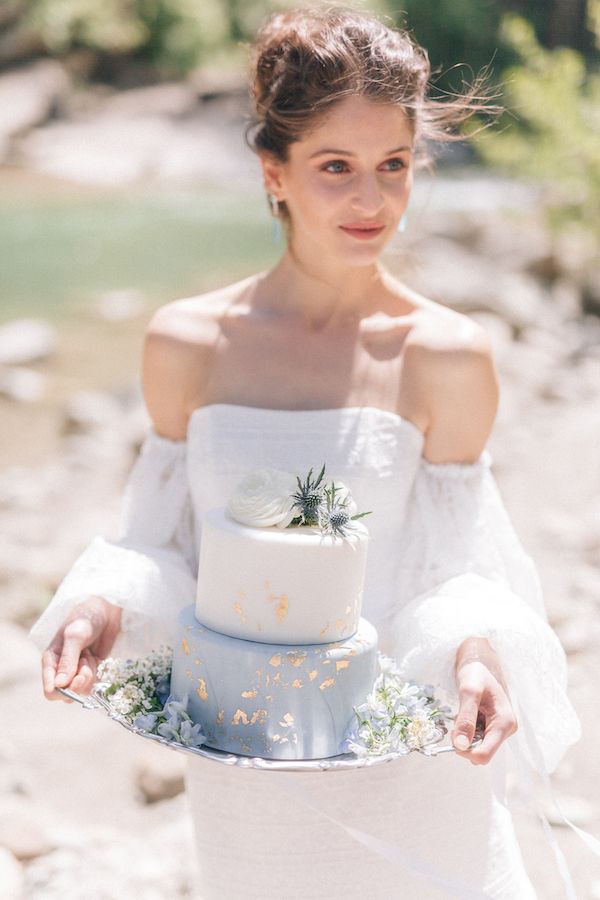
[368, 198]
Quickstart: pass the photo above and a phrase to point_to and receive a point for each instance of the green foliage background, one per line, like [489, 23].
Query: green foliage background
[543, 54]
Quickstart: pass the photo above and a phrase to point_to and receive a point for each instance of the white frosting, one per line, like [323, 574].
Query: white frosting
[292, 586]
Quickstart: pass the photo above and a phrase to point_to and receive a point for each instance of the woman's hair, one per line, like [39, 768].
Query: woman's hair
[304, 61]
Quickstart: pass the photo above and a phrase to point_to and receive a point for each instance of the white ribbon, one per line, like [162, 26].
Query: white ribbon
[526, 786]
[393, 853]
[433, 875]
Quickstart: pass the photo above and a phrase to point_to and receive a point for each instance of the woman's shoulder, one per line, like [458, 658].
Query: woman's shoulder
[441, 336]
[178, 350]
[450, 367]
[193, 320]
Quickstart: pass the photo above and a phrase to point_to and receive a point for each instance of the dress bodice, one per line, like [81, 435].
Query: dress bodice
[374, 452]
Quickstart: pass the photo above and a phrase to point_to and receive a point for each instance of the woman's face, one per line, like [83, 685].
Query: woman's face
[354, 170]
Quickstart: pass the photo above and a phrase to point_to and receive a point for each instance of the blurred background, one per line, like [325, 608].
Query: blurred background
[125, 183]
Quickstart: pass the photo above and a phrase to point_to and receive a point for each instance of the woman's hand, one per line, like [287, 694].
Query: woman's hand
[483, 696]
[85, 638]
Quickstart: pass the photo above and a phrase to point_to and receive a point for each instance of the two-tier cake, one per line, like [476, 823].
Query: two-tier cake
[274, 656]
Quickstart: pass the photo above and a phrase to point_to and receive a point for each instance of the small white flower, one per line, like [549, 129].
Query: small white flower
[264, 498]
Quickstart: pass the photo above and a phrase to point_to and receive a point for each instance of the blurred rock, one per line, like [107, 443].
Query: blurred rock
[26, 341]
[591, 292]
[19, 659]
[87, 411]
[29, 95]
[21, 830]
[175, 99]
[160, 775]
[120, 305]
[11, 876]
[469, 284]
[23, 385]
[578, 635]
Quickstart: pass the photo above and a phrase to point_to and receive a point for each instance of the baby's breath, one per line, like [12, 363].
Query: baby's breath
[396, 717]
[138, 692]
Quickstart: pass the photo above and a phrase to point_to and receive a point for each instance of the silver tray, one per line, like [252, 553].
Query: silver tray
[97, 700]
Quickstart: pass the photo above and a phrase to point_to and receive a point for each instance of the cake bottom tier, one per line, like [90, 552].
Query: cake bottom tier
[278, 701]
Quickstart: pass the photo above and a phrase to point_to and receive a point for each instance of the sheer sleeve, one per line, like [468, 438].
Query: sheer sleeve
[464, 572]
[150, 568]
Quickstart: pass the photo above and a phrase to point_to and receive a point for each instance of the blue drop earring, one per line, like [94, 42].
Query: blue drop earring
[402, 222]
[276, 230]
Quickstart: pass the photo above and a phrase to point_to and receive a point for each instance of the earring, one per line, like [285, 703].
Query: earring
[276, 231]
[402, 222]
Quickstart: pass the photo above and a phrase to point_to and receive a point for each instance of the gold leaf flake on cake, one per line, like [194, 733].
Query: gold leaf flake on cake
[296, 657]
[269, 697]
[275, 660]
[277, 678]
[327, 683]
[276, 737]
[259, 715]
[339, 624]
[238, 609]
[297, 683]
[201, 689]
[312, 674]
[241, 594]
[259, 671]
[267, 680]
[326, 662]
[197, 662]
[247, 748]
[239, 715]
[185, 646]
[323, 630]
[342, 664]
[249, 694]
[281, 610]
[220, 717]
[287, 720]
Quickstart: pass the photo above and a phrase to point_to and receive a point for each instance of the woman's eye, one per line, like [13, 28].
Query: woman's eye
[400, 164]
[335, 162]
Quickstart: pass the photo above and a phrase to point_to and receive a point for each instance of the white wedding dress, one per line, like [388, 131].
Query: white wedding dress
[444, 563]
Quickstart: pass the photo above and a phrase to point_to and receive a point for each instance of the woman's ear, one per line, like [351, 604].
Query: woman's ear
[272, 175]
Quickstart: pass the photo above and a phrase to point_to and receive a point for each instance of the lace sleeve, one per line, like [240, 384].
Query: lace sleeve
[464, 572]
[150, 568]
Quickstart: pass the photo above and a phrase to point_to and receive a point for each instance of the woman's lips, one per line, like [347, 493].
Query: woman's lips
[363, 234]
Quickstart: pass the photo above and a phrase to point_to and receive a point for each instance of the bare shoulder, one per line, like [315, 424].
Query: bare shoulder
[179, 343]
[451, 365]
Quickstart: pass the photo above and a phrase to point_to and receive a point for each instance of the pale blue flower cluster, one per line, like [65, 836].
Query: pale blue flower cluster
[173, 723]
[138, 691]
[397, 716]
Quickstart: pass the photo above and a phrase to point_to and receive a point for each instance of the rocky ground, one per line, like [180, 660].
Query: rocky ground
[80, 798]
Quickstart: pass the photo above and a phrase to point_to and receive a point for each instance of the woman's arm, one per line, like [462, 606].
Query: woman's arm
[459, 388]
[130, 588]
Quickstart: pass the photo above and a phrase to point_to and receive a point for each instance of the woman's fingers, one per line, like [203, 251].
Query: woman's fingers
[466, 720]
[77, 635]
[50, 659]
[86, 674]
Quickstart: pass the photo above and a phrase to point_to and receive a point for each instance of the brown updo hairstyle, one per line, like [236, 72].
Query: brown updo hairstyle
[305, 60]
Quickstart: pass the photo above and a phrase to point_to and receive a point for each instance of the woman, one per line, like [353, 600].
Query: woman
[326, 356]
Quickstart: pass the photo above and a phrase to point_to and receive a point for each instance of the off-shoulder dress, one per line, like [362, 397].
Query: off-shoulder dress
[444, 563]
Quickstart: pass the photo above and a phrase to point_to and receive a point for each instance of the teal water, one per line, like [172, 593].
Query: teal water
[58, 254]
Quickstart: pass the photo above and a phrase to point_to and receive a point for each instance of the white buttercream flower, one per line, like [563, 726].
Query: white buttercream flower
[264, 498]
